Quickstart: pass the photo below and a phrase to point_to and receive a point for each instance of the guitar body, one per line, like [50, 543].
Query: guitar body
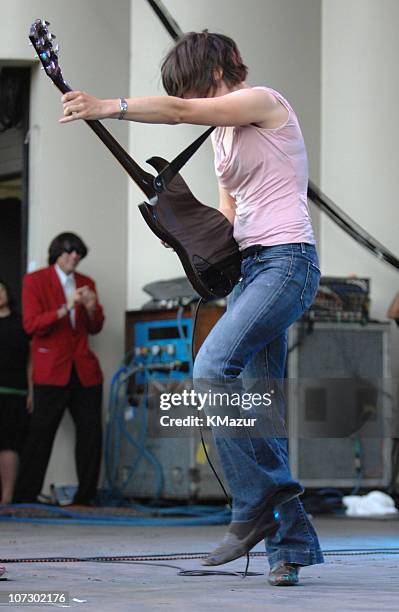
[201, 236]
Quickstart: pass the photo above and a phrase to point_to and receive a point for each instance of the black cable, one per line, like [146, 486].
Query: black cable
[195, 317]
[183, 572]
[155, 558]
[228, 499]
[200, 301]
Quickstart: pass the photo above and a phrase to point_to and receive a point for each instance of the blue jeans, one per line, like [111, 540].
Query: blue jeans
[249, 343]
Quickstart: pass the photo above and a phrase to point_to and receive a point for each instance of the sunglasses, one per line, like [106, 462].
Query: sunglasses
[71, 249]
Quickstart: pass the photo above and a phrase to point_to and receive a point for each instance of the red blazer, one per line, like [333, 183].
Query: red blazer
[56, 344]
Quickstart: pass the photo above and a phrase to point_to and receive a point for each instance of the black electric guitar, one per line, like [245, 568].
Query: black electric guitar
[201, 236]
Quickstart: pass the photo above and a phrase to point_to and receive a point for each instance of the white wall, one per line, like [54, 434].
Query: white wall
[74, 182]
[360, 132]
[279, 41]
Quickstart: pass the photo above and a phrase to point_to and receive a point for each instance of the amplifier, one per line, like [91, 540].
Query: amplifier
[165, 336]
[340, 404]
[180, 461]
[165, 342]
[339, 299]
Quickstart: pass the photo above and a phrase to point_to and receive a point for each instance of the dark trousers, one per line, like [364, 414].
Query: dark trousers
[49, 404]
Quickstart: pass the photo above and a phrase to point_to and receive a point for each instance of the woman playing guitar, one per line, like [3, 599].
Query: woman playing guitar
[261, 166]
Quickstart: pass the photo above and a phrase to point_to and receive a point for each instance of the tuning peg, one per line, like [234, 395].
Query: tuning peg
[45, 23]
[30, 44]
[56, 49]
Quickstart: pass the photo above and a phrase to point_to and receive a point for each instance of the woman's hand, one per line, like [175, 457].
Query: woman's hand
[80, 105]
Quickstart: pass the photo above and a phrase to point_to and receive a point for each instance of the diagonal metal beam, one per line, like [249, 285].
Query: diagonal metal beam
[166, 18]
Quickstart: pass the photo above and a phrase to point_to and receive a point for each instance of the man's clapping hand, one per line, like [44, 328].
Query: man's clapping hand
[84, 296]
[88, 299]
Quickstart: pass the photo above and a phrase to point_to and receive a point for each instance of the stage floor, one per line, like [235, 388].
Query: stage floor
[362, 582]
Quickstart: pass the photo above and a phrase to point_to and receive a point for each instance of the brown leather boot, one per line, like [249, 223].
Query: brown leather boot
[284, 574]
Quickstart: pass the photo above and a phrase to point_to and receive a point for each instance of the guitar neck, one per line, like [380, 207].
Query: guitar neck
[144, 180]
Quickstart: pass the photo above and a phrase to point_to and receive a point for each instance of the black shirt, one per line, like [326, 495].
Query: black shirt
[14, 351]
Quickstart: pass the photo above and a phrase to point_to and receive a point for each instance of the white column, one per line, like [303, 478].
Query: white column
[360, 134]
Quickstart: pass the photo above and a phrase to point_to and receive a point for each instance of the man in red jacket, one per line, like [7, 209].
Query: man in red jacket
[60, 309]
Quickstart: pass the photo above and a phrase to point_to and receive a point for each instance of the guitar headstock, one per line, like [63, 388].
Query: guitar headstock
[42, 40]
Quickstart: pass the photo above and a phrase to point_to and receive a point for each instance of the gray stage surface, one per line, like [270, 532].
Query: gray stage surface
[367, 582]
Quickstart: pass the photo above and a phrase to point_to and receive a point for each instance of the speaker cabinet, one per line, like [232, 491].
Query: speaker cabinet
[340, 404]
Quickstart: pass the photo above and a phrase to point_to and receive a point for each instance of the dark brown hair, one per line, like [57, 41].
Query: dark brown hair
[190, 65]
[66, 243]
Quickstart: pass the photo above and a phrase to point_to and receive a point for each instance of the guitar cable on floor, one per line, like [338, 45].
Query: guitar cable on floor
[155, 559]
[228, 500]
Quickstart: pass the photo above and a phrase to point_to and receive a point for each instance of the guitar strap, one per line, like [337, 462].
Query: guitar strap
[169, 172]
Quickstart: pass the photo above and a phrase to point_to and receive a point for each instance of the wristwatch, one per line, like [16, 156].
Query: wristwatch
[123, 106]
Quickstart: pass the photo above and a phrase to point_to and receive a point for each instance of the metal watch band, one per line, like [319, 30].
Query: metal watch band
[122, 107]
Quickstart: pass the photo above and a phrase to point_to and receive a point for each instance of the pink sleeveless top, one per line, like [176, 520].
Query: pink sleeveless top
[266, 172]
